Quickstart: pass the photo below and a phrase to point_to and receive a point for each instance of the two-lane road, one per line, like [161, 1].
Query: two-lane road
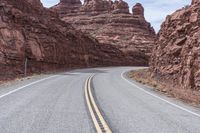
[58, 104]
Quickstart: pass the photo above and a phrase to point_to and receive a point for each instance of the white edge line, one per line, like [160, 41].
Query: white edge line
[13, 91]
[175, 105]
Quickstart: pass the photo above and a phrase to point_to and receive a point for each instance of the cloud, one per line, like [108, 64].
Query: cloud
[155, 10]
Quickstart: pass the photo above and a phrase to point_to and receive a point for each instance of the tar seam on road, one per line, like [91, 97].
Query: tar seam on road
[20, 88]
[172, 104]
[97, 118]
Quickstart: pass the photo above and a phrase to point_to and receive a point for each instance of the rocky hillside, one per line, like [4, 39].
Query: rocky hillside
[30, 33]
[176, 57]
[112, 23]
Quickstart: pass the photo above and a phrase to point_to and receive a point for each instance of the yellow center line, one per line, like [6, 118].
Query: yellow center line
[90, 109]
[96, 109]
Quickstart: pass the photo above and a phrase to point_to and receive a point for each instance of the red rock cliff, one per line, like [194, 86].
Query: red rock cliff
[176, 56]
[69, 6]
[29, 31]
[112, 23]
[195, 2]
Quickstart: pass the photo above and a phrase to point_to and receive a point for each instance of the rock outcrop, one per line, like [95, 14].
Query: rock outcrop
[112, 23]
[95, 6]
[138, 10]
[120, 7]
[68, 6]
[35, 36]
[176, 57]
[36, 3]
[195, 2]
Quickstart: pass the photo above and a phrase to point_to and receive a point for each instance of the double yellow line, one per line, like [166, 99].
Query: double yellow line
[97, 118]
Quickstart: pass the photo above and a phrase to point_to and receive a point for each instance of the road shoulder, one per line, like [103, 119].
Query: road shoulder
[144, 77]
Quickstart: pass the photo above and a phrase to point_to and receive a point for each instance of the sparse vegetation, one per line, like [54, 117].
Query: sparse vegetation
[187, 95]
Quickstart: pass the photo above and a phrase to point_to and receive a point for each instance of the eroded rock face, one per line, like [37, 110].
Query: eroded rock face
[94, 5]
[120, 7]
[68, 6]
[195, 2]
[177, 53]
[138, 10]
[38, 35]
[36, 3]
[112, 23]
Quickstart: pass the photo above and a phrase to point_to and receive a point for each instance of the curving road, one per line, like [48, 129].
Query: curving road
[57, 104]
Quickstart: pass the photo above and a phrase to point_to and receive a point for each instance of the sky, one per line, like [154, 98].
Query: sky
[155, 10]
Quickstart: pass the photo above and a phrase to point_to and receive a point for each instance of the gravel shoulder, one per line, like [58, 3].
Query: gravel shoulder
[186, 95]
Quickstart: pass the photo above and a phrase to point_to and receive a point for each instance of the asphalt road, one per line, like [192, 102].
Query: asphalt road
[56, 104]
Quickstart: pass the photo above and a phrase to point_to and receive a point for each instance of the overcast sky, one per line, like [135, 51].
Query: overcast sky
[155, 10]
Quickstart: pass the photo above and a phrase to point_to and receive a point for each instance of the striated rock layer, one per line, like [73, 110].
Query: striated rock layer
[30, 33]
[176, 56]
[112, 23]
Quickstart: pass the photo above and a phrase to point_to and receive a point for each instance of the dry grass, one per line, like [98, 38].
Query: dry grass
[9, 81]
[170, 89]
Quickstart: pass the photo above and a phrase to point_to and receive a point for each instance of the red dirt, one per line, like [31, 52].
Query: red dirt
[159, 84]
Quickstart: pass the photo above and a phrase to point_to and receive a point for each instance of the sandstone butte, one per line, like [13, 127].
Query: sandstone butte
[28, 31]
[176, 56]
[111, 23]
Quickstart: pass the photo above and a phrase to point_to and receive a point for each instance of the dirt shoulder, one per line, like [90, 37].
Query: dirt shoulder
[8, 79]
[186, 95]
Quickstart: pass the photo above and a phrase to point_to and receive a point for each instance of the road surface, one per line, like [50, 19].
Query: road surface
[58, 104]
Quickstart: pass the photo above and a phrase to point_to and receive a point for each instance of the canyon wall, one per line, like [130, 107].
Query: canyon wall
[35, 36]
[176, 57]
[111, 23]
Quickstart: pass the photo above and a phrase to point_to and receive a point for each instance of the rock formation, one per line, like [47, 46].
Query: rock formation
[68, 6]
[120, 7]
[95, 6]
[138, 10]
[195, 2]
[112, 23]
[176, 57]
[32, 34]
[36, 3]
